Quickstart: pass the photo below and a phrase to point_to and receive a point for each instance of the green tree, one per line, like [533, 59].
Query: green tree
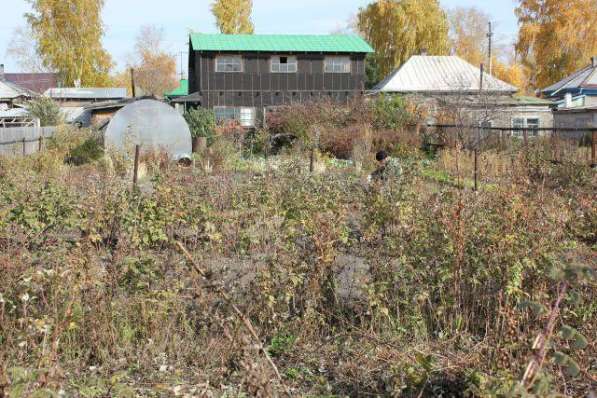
[46, 110]
[233, 16]
[202, 123]
[399, 29]
[68, 35]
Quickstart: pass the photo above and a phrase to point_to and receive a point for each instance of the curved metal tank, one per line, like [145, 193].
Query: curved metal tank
[153, 125]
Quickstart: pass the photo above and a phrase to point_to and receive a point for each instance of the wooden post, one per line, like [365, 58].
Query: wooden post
[41, 142]
[525, 134]
[312, 160]
[24, 147]
[557, 146]
[133, 82]
[593, 146]
[136, 167]
[476, 153]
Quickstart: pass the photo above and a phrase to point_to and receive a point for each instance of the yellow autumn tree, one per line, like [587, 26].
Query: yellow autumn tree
[68, 35]
[468, 38]
[399, 29]
[556, 38]
[233, 16]
[155, 68]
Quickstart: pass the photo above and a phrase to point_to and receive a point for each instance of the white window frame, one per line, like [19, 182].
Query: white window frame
[519, 124]
[226, 63]
[337, 64]
[245, 116]
[276, 66]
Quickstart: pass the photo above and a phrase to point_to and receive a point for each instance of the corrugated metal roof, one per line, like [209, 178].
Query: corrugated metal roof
[10, 90]
[437, 74]
[584, 78]
[13, 112]
[182, 89]
[281, 43]
[86, 93]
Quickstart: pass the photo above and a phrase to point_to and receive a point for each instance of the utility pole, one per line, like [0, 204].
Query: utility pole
[490, 37]
[133, 82]
[181, 66]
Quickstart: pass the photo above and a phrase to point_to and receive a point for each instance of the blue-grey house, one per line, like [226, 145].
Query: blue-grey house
[578, 90]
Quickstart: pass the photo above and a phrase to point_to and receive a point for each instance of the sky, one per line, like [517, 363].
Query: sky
[123, 18]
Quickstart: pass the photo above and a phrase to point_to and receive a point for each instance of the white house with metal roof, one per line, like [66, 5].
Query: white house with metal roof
[423, 74]
[452, 89]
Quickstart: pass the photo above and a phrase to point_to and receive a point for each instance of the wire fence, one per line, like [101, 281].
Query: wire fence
[565, 144]
[489, 154]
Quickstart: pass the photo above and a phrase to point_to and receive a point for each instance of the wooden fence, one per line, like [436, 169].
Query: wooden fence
[22, 141]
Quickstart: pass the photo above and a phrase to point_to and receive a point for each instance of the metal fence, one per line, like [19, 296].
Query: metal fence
[22, 141]
[488, 147]
[560, 142]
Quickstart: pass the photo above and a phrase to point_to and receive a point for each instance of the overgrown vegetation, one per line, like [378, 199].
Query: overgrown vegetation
[202, 123]
[46, 110]
[191, 284]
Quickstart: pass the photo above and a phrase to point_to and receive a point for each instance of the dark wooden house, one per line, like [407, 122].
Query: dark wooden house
[240, 76]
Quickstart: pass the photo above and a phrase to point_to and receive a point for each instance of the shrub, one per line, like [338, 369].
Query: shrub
[46, 110]
[90, 150]
[202, 123]
[390, 112]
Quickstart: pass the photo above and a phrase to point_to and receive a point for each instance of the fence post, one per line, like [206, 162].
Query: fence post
[476, 168]
[24, 146]
[557, 146]
[593, 147]
[136, 167]
[525, 134]
[41, 142]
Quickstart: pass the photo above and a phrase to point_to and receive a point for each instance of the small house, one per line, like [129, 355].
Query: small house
[11, 94]
[240, 76]
[578, 90]
[73, 101]
[452, 89]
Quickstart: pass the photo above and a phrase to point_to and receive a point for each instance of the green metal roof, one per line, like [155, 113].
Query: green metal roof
[181, 90]
[280, 43]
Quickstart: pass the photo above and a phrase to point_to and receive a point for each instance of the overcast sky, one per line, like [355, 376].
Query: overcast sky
[124, 17]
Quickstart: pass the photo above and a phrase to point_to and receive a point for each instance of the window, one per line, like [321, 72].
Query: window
[245, 116]
[519, 124]
[229, 64]
[337, 65]
[224, 113]
[281, 64]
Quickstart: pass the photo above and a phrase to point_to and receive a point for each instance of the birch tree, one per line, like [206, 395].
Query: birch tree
[233, 16]
[398, 29]
[68, 35]
[556, 37]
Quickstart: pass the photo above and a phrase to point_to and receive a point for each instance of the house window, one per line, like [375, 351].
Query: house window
[337, 65]
[224, 113]
[531, 124]
[281, 64]
[229, 64]
[245, 116]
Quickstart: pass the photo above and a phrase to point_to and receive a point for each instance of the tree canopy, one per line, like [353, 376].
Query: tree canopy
[398, 29]
[556, 37]
[68, 34]
[468, 38]
[233, 16]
